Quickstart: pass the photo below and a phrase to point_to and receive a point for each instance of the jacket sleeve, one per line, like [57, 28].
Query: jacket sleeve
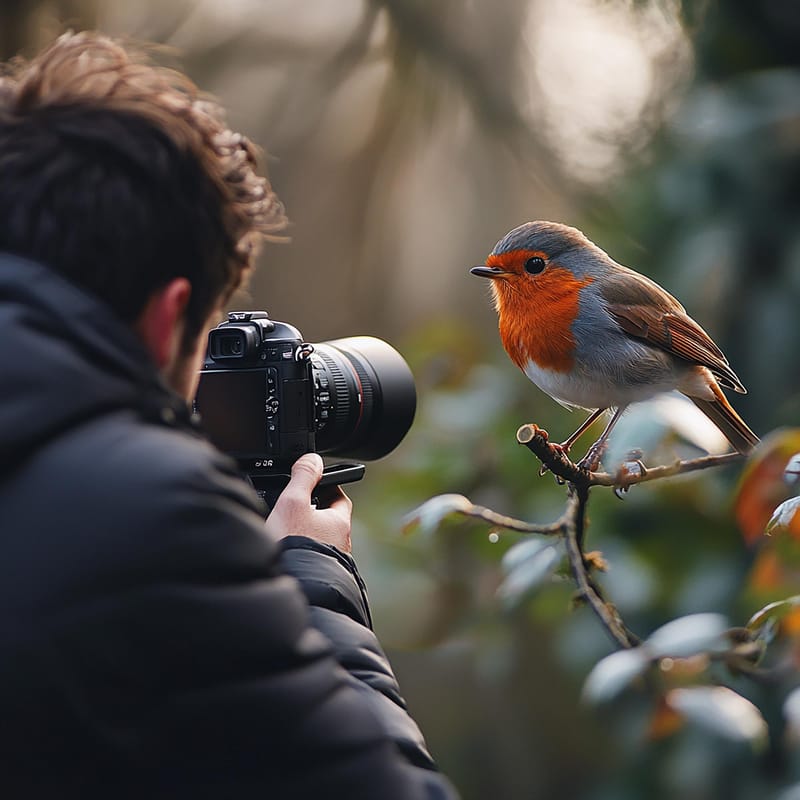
[340, 610]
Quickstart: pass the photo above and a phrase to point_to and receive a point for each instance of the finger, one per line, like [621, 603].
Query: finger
[306, 473]
[332, 497]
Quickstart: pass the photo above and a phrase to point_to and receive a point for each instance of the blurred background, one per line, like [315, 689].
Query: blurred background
[405, 138]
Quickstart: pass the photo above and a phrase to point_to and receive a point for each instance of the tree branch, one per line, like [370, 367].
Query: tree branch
[624, 479]
[552, 457]
[556, 461]
[580, 481]
[556, 528]
[572, 524]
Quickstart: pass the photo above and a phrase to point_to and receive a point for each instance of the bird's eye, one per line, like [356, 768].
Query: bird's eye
[535, 265]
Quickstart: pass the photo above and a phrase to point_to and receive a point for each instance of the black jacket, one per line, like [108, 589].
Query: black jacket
[153, 642]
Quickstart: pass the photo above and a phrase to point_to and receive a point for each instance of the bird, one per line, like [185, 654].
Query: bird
[596, 335]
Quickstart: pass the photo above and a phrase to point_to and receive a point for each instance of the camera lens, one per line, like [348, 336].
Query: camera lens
[365, 397]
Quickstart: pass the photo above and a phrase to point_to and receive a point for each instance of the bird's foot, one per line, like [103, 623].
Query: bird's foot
[544, 469]
[631, 470]
[556, 448]
[537, 431]
[591, 461]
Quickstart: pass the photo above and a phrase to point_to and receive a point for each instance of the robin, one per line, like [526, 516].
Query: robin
[595, 335]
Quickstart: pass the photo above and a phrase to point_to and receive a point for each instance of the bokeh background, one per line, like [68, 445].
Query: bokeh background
[405, 138]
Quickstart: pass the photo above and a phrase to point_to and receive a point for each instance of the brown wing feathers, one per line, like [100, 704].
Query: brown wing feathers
[644, 310]
[679, 335]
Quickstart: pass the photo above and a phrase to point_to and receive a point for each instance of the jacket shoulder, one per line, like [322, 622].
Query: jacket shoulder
[127, 500]
[135, 460]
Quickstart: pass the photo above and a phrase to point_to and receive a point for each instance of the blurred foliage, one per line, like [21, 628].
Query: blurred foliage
[406, 137]
[710, 210]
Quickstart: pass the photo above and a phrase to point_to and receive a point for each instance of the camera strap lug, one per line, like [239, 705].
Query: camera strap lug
[303, 352]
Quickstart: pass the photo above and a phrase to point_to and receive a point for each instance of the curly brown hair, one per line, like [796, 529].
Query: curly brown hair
[121, 175]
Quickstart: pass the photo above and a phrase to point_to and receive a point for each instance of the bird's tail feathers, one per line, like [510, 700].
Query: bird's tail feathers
[723, 415]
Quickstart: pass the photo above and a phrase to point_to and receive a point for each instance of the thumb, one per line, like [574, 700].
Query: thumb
[306, 472]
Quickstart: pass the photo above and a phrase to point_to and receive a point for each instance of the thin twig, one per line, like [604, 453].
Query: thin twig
[587, 588]
[624, 480]
[510, 523]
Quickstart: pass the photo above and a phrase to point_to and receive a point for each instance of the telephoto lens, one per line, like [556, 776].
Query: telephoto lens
[372, 397]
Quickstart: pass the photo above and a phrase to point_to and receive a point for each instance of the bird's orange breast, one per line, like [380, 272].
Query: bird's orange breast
[536, 316]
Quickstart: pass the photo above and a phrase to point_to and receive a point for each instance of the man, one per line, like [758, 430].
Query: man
[151, 641]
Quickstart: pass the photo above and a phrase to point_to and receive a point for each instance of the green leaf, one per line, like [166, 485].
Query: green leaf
[611, 675]
[688, 636]
[783, 517]
[721, 711]
[532, 565]
[791, 474]
[773, 612]
[791, 713]
[791, 793]
[430, 514]
[524, 550]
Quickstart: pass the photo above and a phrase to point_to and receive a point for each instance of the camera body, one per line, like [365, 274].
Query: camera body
[266, 397]
[256, 394]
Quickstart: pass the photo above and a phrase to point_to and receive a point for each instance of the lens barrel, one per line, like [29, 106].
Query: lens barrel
[373, 398]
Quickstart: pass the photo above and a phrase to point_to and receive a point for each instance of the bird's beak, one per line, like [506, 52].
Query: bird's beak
[489, 272]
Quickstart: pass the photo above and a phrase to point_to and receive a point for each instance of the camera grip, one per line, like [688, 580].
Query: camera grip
[269, 487]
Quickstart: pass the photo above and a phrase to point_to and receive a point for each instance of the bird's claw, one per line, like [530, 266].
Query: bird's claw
[544, 469]
[591, 461]
[556, 448]
[633, 467]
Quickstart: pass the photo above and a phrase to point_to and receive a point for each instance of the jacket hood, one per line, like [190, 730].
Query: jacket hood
[64, 358]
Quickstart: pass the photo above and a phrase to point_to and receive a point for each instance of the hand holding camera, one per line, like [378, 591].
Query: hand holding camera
[293, 513]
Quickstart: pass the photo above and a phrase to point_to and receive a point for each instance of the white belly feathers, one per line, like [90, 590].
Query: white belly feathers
[576, 389]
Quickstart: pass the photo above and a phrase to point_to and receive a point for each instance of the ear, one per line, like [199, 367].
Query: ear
[160, 324]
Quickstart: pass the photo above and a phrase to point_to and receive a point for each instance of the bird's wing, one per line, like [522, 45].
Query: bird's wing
[646, 311]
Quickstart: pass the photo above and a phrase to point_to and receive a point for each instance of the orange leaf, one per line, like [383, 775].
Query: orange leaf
[790, 624]
[763, 485]
[774, 574]
[767, 573]
[665, 721]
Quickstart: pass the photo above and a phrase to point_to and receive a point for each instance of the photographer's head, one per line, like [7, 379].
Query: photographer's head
[119, 175]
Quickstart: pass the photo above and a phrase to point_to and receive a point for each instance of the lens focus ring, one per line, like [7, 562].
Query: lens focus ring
[367, 392]
[341, 397]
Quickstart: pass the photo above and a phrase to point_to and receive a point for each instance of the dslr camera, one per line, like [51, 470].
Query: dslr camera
[266, 397]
